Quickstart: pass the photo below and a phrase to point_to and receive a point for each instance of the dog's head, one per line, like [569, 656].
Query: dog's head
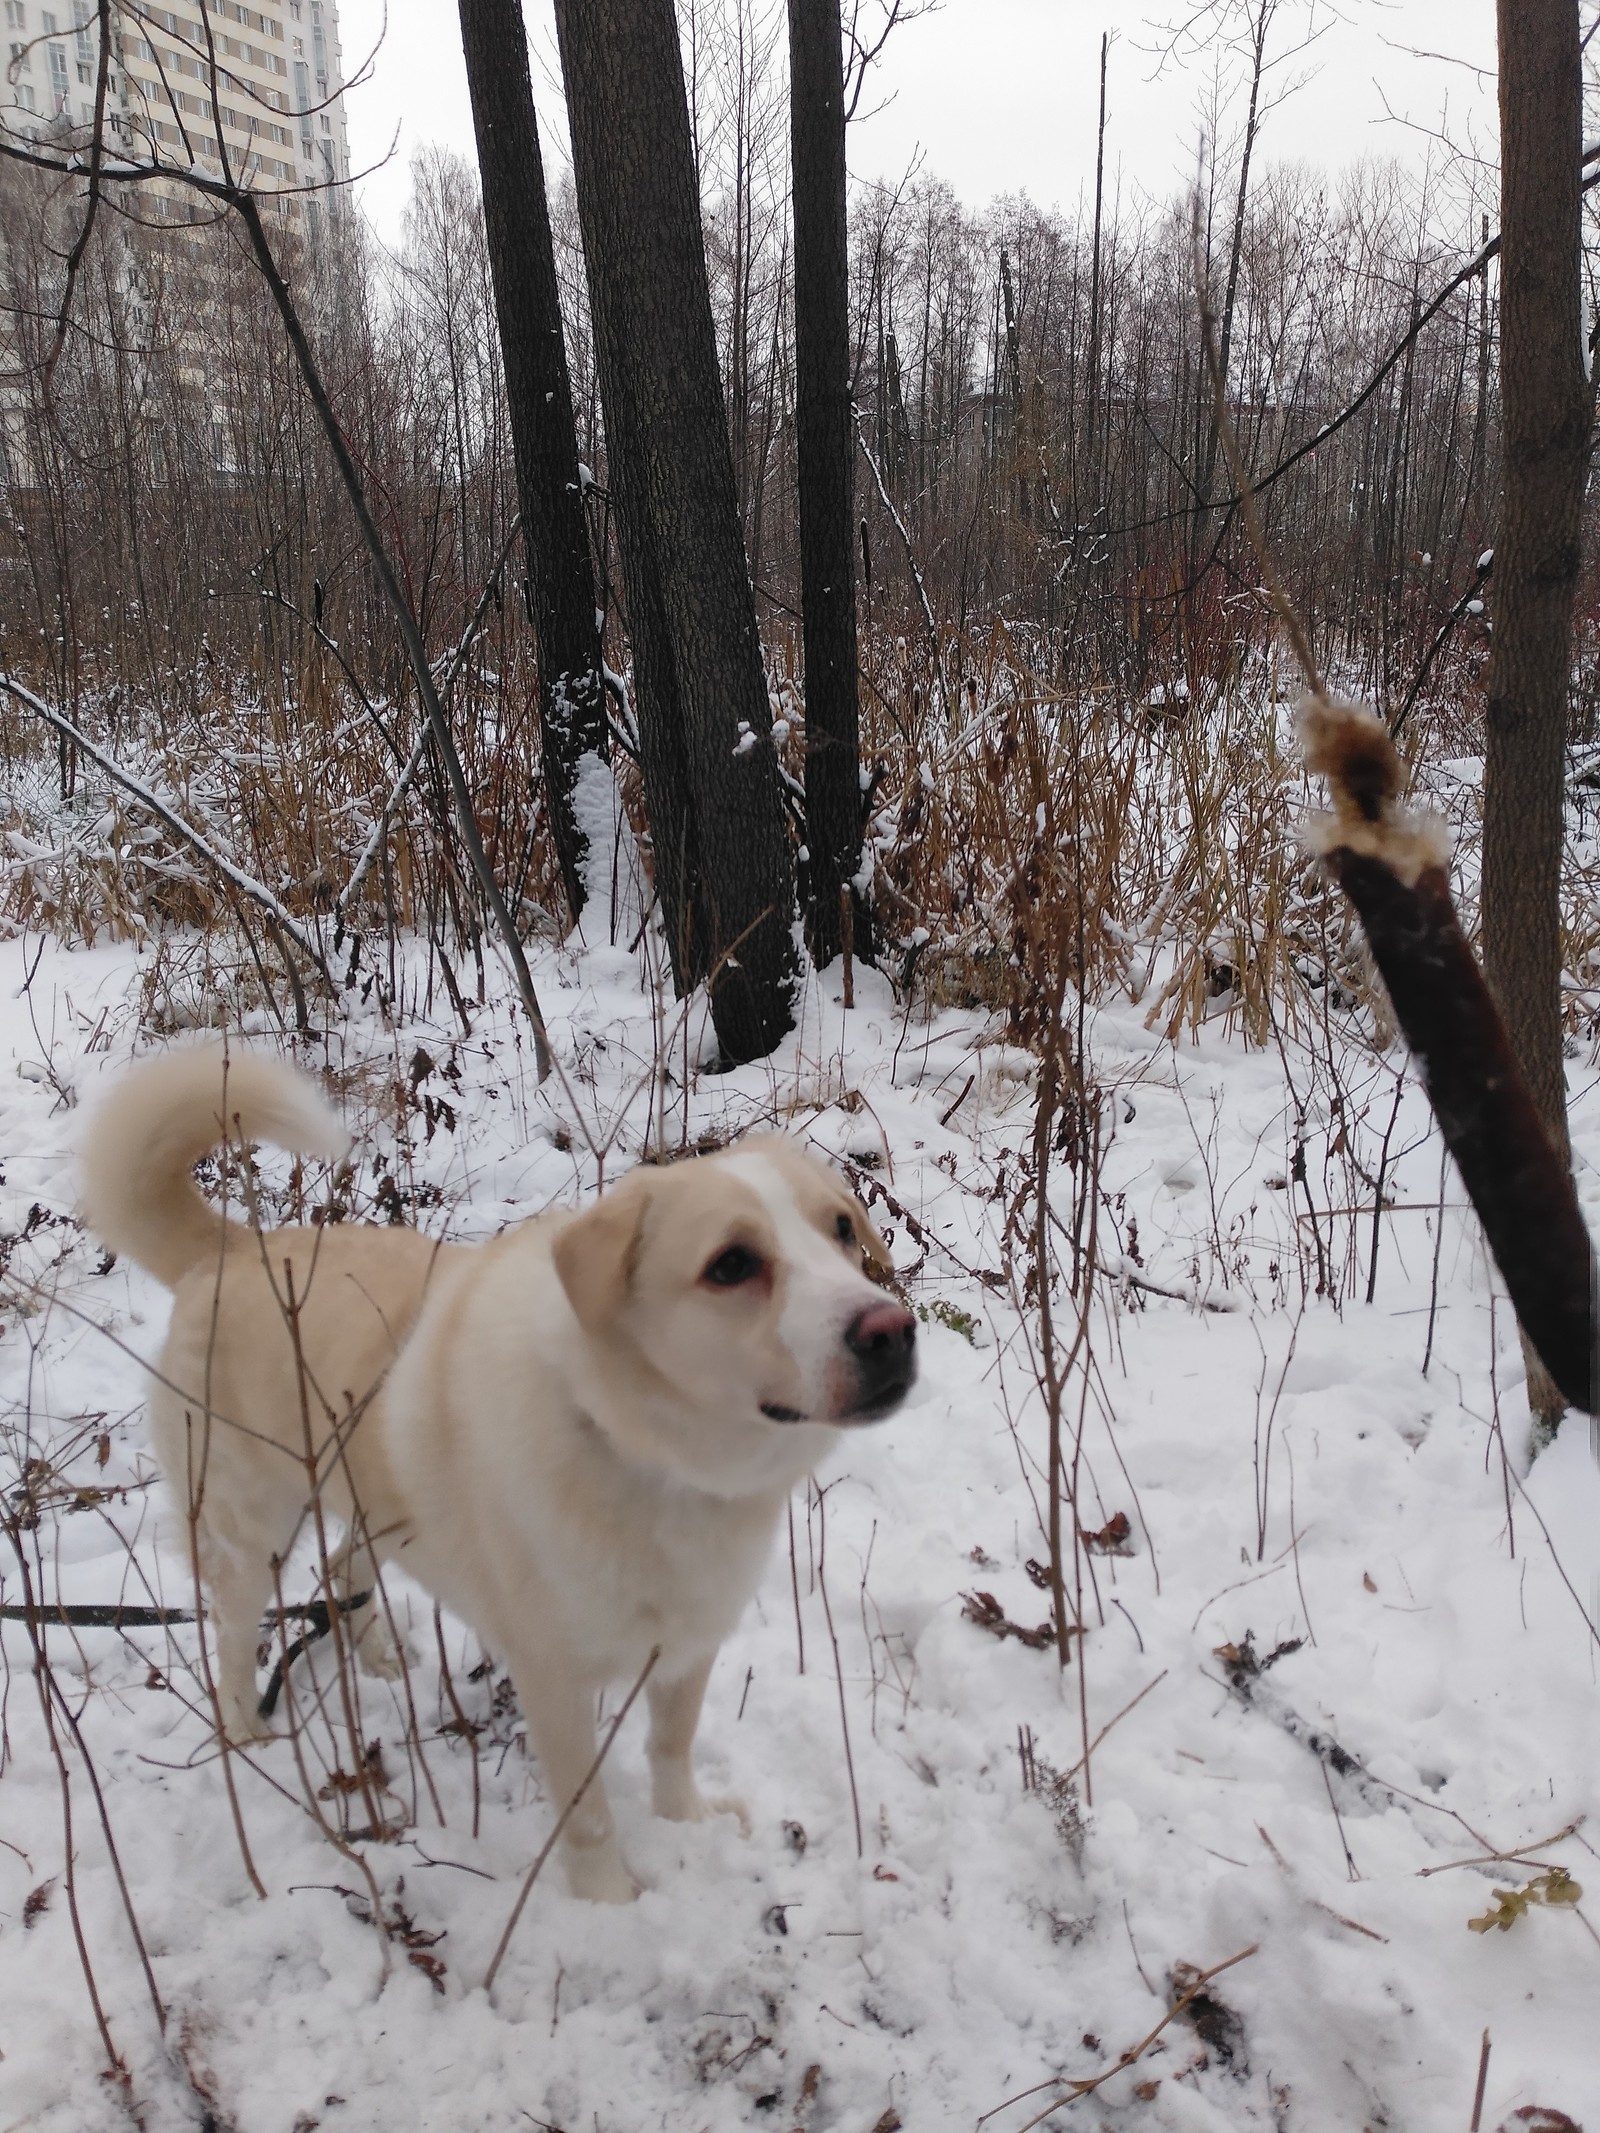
[739, 1280]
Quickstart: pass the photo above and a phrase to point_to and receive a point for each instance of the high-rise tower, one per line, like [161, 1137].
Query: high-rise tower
[277, 103]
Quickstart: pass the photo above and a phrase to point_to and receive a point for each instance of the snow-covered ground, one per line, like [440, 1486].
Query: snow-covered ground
[1288, 1475]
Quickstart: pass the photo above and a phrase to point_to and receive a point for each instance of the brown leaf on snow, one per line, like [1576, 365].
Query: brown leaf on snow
[984, 1609]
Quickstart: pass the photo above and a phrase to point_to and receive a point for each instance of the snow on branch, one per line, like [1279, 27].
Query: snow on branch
[254, 891]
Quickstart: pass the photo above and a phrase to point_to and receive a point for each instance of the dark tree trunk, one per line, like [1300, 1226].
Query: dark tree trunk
[522, 261]
[826, 460]
[1544, 418]
[723, 868]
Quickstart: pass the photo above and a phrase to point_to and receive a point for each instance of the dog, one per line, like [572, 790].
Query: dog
[580, 1436]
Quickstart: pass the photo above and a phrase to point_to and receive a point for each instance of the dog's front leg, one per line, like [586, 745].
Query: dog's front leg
[674, 1716]
[560, 1710]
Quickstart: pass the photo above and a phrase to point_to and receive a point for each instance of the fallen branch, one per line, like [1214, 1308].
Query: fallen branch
[115, 1615]
[88, 1617]
[1074, 2089]
[316, 1614]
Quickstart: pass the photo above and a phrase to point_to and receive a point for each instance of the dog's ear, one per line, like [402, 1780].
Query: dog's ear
[594, 1256]
[867, 1237]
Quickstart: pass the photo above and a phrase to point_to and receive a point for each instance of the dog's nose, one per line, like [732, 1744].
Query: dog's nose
[883, 1339]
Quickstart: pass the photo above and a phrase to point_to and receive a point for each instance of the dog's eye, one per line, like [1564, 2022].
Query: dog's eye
[733, 1268]
[844, 1229]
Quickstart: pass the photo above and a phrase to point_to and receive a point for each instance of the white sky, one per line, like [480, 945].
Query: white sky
[1001, 95]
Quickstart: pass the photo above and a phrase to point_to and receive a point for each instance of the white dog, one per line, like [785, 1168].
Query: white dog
[580, 1436]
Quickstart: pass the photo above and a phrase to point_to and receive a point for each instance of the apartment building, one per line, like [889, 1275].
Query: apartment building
[276, 68]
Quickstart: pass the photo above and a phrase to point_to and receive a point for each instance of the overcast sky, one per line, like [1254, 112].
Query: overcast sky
[1000, 96]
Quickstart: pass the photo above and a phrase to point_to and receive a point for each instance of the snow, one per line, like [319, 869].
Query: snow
[613, 875]
[1286, 1471]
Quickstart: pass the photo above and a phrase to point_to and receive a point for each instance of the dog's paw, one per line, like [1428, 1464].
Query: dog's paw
[729, 1803]
[247, 1727]
[597, 1874]
[683, 1801]
[380, 1655]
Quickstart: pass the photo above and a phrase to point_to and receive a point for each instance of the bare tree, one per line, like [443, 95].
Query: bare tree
[712, 781]
[826, 460]
[555, 532]
[1546, 412]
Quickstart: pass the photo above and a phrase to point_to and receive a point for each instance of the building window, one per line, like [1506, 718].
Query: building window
[22, 63]
[16, 18]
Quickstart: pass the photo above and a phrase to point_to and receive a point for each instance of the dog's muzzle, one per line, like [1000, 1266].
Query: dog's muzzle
[882, 1341]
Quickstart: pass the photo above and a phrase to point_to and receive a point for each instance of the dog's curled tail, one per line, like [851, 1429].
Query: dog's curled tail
[137, 1158]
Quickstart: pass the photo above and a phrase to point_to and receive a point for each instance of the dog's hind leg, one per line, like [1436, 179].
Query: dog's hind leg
[238, 1580]
[352, 1571]
[234, 1521]
[674, 1717]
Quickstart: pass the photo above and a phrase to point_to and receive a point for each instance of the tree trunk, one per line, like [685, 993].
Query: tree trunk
[826, 465]
[522, 260]
[1544, 416]
[723, 868]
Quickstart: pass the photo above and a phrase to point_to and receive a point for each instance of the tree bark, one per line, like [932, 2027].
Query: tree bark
[522, 262]
[1545, 418]
[826, 467]
[723, 867]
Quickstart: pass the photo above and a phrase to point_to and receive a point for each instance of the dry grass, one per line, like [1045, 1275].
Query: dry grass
[1160, 830]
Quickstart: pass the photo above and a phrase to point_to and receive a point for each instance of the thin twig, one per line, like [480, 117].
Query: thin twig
[1483, 2080]
[466, 818]
[838, 1669]
[1077, 2089]
[1110, 1722]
